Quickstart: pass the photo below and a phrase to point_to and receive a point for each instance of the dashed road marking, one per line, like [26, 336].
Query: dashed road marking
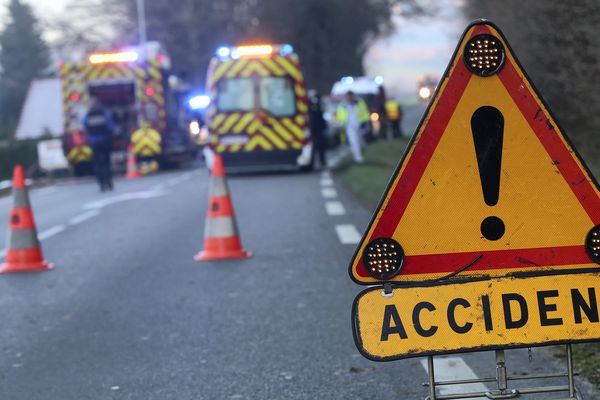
[48, 233]
[451, 369]
[123, 197]
[334, 208]
[347, 233]
[326, 182]
[83, 217]
[325, 175]
[329, 192]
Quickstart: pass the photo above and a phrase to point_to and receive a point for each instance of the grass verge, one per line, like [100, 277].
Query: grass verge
[586, 360]
[368, 181]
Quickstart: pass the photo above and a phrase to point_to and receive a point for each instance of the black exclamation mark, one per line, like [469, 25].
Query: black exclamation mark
[487, 124]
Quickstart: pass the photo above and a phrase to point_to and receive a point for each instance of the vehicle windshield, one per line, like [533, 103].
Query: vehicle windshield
[275, 95]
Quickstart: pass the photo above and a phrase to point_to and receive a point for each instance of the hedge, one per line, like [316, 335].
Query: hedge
[17, 152]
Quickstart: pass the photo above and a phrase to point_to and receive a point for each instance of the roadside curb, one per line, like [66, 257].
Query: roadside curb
[336, 157]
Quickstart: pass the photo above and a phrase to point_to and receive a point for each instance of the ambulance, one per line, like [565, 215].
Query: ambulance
[147, 103]
[258, 112]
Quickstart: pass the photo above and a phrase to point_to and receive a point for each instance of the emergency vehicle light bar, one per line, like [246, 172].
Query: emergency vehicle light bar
[254, 51]
[126, 56]
[259, 50]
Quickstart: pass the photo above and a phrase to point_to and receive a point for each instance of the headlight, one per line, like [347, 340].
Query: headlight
[194, 128]
[374, 117]
[424, 93]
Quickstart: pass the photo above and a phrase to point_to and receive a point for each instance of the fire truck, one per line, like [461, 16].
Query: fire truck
[147, 103]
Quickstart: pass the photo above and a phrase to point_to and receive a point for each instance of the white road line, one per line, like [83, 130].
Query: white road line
[334, 208]
[326, 182]
[179, 179]
[83, 217]
[48, 233]
[347, 234]
[173, 182]
[325, 175]
[46, 190]
[123, 197]
[329, 193]
[454, 368]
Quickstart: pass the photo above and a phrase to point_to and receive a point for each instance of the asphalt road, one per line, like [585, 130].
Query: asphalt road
[127, 313]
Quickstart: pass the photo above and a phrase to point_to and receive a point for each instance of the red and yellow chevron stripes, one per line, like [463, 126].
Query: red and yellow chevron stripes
[146, 142]
[264, 132]
[149, 87]
[267, 66]
[74, 90]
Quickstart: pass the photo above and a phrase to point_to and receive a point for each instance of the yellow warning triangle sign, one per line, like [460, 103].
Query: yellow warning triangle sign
[489, 184]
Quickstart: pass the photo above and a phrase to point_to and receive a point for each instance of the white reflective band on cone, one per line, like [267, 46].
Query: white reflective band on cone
[23, 239]
[218, 187]
[220, 227]
[20, 198]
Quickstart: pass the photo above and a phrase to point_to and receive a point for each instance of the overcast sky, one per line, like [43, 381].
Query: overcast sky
[419, 47]
[43, 8]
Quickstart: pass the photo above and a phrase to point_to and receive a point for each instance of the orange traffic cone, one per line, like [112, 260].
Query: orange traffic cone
[24, 251]
[221, 238]
[132, 169]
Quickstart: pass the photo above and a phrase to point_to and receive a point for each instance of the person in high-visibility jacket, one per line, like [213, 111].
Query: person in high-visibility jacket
[354, 114]
[394, 113]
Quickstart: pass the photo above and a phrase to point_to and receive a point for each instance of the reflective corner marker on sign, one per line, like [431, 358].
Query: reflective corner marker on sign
[489, 186]
[478, 315]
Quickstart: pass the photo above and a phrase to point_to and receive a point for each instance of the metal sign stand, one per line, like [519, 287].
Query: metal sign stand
[502, 379]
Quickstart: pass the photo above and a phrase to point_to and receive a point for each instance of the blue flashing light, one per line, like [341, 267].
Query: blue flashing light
[348, 80]
[199, 102]
[286, 50]
[223, 52]
[379, 80]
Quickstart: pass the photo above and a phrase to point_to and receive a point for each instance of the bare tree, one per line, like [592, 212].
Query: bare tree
[331, 36]
[557, 42]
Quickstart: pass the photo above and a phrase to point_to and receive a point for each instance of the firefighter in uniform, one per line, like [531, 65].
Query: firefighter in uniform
[354, 114]
[99, 126]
